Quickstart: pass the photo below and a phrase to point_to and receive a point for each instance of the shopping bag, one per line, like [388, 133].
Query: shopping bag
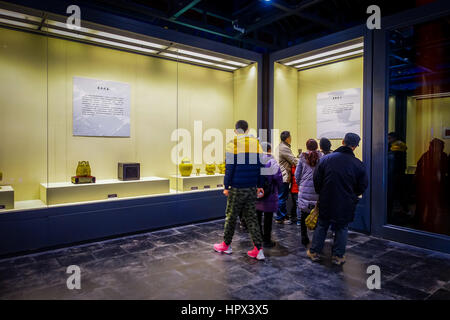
[311, 219]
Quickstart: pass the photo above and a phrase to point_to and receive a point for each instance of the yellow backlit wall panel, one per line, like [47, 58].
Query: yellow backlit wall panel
[23, 112]
[246, 96]
[153, 85]
[206, 96]
[336, 76]
[295, 97]
[286, 103]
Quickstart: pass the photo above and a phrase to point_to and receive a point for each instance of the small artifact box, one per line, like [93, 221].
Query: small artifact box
[129, 171]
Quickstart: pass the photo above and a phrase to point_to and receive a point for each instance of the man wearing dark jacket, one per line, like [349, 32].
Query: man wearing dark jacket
[339, 180]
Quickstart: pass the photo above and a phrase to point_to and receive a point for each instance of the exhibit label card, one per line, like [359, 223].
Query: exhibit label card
[338, 112]
[101, 108]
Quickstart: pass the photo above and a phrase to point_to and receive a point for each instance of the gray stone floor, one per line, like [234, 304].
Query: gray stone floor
[179, 263]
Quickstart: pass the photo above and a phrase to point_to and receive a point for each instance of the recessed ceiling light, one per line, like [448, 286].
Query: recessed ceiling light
[98, 40]
[327, 53]
[108, 35]
[226, 67]
[19, 15]
[330, 59]
[185, 58]
[18, 23]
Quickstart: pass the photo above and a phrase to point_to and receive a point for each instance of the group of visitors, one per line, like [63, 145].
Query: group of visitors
[258, 185]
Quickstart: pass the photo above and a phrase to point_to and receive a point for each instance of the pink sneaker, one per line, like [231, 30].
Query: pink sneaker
[222, 247]
[256, 254]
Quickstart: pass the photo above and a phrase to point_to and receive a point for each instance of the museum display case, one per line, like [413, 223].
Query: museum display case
[321, 89]
[97, 114]
[320, 94]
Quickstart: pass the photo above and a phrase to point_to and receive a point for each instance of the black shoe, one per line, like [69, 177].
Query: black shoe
[305, 241]
[269, 244]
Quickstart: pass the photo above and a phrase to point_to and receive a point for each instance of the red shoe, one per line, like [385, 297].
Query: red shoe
[223, 248]
[256, 254]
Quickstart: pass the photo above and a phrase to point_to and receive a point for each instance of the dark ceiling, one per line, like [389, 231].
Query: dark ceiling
[269, 25]
[258, 25]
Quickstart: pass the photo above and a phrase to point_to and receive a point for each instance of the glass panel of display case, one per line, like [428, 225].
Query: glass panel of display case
[319, 94]
[92, 113]
[23, 113]
[111, 112]
[211, 98]
[419, 127]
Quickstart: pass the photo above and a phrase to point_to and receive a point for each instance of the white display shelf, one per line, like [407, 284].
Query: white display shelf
[67, 192]
[6, 198]
[194, 182]
[29, 204]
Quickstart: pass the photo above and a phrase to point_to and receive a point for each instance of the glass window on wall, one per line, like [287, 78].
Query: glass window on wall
[418, 191]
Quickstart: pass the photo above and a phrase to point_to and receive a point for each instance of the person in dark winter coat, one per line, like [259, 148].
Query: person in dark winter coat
[307, 196]
[269, 203]
[339, 179]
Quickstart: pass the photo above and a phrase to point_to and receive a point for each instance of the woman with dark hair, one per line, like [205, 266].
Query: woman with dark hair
[307, 196]
[325, 146]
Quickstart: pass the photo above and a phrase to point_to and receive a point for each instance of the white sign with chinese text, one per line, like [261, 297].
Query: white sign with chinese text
[338, 112]
[101, 108]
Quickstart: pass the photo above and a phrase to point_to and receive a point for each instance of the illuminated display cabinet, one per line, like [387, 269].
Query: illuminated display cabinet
[320, 92]
[107, 96]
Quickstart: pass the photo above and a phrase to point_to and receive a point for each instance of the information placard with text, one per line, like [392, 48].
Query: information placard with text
[338, 112]
[101, 108]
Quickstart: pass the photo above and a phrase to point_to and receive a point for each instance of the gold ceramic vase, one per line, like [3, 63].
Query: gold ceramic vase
[83, 169]
[185, 167]
[221, 168]
[210, 169]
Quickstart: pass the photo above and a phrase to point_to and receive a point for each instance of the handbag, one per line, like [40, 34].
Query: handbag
[311, 219]
[268, 189]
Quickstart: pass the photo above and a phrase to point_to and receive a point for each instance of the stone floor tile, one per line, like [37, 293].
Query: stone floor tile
[180, 263]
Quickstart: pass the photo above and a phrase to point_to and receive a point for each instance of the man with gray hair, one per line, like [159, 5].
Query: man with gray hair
[286, 160]
[339, 179]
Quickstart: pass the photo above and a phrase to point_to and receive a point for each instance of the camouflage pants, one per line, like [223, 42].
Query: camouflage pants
[242, 200]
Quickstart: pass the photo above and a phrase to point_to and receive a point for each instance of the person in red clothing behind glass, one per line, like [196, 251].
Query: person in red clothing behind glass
[294, 218]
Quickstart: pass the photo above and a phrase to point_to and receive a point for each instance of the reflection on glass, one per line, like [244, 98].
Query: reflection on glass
[419, 123]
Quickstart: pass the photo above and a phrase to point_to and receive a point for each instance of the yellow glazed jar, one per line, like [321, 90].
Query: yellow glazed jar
[210, 169]
[185, 167]
[83, 169]
[221, 168]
